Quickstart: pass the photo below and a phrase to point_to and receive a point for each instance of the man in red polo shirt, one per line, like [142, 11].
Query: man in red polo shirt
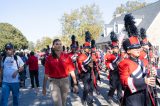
[33, 69]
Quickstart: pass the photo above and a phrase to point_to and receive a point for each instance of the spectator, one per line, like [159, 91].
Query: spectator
[11, 65]
[33, 69]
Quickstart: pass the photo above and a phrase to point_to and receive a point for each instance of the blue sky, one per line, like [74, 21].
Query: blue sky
[38, 18]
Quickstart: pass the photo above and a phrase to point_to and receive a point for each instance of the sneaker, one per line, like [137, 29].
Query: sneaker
[37, 90]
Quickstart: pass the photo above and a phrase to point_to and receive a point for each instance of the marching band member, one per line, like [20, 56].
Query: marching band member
[132, 72]
[112, 64]
[74, 55]
[85, 64]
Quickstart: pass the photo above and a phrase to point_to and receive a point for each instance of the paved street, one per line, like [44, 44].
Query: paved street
[29, 97]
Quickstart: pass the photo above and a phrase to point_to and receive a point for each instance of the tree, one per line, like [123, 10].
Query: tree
[43, 43]
[129, 7]
[9, 33]
[38, 45]
[87, 18]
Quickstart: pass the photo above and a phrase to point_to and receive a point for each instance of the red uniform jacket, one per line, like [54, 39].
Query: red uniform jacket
[132, 75]
[74, 57]
[95, 57]
[83, 60]
[109, 58]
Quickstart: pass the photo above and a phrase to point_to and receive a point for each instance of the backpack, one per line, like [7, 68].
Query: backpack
[15, 58]
[21, 74]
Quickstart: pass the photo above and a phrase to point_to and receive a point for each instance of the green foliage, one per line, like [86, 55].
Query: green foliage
[41, 44]
[129, 7]
[9, 33]
[87, 18]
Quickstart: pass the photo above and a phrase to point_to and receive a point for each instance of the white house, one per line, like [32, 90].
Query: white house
[147, 17]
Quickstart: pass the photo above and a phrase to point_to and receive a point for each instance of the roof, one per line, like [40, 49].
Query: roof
[148, 13]
[102, 39]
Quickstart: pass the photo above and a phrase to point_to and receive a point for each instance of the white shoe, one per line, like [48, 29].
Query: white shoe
[37, 90]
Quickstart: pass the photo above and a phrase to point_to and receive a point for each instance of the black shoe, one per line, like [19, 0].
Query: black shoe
[90, 104]
[109, 100]
[119, 101]
[98, 93]
[84, 103]
[71, 90]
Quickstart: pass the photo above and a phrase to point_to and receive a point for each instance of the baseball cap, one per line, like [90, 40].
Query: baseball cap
[9, 46]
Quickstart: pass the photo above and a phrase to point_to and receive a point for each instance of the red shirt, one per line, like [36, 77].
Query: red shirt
[109, 58]
[33, 63]
[58, 67]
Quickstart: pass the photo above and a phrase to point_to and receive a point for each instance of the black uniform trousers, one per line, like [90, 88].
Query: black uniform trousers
[115, 84]
[88, 87]
[135, 99]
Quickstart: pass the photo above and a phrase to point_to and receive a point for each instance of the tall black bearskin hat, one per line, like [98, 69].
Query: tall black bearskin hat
[143, 35]
[93, 45]
[132, 42]
[74, 43]
[64, 48]
[48, 47]
[114, 39]
[87, 43]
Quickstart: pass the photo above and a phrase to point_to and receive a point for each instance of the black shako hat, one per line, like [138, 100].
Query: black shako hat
[132, 42]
